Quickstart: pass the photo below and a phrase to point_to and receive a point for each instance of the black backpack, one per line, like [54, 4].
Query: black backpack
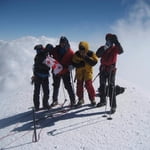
[119, 90]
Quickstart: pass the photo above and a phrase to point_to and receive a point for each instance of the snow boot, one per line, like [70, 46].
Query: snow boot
[93, 102]
[54, 103]
[72, 104]
[37, 109]
[47, 107]
[80, 102]
[101, 104]
[113, 110]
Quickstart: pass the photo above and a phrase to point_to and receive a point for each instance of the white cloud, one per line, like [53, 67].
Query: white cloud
[134, 34]
[17, 59]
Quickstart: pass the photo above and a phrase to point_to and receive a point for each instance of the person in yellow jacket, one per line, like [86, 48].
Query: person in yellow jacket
[84, 60]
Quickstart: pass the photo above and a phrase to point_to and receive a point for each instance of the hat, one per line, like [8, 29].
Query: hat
[38, 47]
[49, 47]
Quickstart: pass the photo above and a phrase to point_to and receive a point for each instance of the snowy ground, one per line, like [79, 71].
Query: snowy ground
[84, 128]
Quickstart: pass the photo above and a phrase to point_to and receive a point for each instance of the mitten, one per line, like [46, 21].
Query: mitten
[114, 39]
[33, 79]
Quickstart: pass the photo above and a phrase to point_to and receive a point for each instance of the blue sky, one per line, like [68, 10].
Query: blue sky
[73, 18]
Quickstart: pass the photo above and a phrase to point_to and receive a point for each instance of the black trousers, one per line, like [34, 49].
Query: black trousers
[67, 84]
[107, 87]
[38, 83]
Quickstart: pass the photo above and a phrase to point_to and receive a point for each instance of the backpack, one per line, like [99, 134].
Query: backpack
[119, 89]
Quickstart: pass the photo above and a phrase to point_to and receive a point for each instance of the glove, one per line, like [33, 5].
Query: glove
[81, 64]
[78, 65]
[32, 80]
[114, 39]
[70, 67]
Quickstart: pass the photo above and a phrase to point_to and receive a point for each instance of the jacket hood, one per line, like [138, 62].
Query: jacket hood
[85, 45]
[63, 39]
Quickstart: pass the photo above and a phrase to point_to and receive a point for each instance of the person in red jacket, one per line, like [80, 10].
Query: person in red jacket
[108, 58]
[63, 54]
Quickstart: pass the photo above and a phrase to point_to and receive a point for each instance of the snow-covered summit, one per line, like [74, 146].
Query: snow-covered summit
[84, 128]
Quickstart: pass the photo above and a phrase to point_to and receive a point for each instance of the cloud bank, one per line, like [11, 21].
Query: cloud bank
[17, 59]
[134, 34]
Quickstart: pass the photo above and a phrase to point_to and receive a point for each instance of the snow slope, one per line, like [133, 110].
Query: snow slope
[84, 128]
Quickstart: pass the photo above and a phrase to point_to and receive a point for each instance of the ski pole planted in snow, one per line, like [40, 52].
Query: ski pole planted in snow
[107, 93]
[34, 125]
[96, 77]
[112, 98]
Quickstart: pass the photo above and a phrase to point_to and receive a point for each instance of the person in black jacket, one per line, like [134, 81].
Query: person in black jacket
[40, 78]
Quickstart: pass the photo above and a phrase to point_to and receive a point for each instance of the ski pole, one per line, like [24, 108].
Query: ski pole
[64, 92]
[107, 95]
[112, 98]
[72, 81]
[112, 94]
[75, 78]
[96, 77]
[107, 91]
[34, 125]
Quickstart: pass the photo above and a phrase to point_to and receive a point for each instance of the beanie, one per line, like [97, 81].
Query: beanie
[38, 47]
